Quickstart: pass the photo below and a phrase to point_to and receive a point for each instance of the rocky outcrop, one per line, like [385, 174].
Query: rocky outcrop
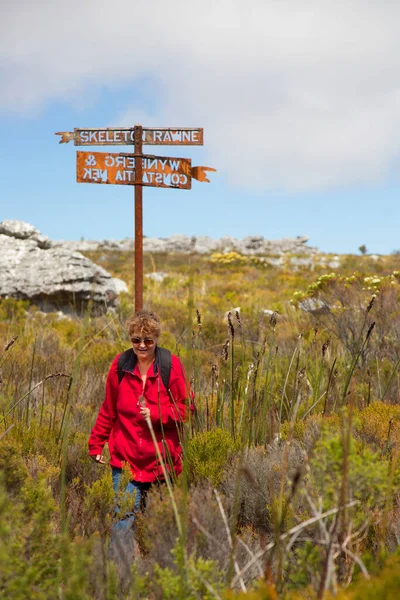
[292, 252]
[24, 231]
[54, 277]
[251, 245]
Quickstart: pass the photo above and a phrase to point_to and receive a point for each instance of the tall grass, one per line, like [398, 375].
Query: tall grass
[287, 415]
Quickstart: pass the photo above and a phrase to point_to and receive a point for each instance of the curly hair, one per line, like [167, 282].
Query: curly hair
[144, 321]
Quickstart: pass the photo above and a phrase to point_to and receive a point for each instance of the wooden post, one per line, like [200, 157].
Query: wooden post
[138, 219]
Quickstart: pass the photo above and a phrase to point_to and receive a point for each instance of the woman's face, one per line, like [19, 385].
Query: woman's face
[143, 345]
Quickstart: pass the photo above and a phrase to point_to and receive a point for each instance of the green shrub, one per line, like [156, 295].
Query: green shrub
[379, 424]
[11, 309]
[99, 504]
[69, 330]
[37, 562]
[170, 584]
[37, 439]
[367, 477]
[208, 453]
[99, 354]
[12, 467]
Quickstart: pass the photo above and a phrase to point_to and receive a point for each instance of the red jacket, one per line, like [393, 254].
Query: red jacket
[120, 423]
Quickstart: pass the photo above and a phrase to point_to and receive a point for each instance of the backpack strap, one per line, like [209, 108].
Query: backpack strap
[164, 363]
[128, 359]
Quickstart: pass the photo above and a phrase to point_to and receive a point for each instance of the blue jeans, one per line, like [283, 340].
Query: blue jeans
[137, 490]
[122, 546]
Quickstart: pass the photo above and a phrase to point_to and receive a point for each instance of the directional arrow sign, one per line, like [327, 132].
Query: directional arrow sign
[158, 171]
[123, 136]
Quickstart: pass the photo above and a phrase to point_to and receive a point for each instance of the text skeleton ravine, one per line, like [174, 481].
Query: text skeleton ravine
[112, 168]
[126, 136]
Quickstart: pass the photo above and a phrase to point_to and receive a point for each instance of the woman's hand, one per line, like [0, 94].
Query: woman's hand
[99, 458]
[145, 412]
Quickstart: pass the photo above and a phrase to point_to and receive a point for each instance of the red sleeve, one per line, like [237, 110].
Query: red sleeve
[177, 410]
[107, 413]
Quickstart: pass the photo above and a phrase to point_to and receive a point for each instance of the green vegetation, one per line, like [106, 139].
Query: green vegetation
[291, 482]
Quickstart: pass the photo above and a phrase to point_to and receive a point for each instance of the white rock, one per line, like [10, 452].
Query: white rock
[334, 264]
[275, 262]
[204, 244]
[157, 276]
[24, 231]
[297, 261]
[81, 246]
[313, 305]
[154, 245]
[52, 277]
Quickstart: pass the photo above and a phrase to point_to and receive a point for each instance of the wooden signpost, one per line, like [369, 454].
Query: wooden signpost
[136, 169]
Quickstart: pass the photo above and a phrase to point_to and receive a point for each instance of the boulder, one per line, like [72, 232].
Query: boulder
[24, 231]
[314, 306]
[252, 244]
[53, 277]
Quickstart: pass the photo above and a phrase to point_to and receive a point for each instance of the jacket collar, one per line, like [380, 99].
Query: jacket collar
[131, 362]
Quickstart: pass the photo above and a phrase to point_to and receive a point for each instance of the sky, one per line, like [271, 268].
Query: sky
[299, 101]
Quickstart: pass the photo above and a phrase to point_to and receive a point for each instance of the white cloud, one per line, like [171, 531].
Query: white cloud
[293, 94]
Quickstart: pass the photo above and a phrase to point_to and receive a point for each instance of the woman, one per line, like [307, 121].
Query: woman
[137, 399]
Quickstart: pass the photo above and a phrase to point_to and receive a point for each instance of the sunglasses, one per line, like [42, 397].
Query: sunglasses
[146, 341]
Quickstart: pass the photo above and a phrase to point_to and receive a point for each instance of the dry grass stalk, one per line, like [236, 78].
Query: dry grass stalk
[230, 541]
[291, 532]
